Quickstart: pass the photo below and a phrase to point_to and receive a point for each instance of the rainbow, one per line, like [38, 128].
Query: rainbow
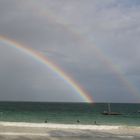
[115, 69]
[85, 96]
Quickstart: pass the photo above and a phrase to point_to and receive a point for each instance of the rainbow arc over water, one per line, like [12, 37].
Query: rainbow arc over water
[100, 54]
[78, 89]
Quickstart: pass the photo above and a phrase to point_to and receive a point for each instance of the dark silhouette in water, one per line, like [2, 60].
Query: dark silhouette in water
[78, 121]
[46, 121]
[95, 122]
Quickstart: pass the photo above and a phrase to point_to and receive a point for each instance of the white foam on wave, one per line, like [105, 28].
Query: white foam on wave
[60, 126]
[23, 134]
[128, 137]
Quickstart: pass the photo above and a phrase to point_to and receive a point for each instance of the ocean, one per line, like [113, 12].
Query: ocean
[69, 113]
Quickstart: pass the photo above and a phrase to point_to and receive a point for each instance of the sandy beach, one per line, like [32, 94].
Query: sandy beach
[42, 131]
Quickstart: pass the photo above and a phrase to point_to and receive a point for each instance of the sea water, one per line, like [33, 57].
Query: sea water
[59, 121]
[69, 113]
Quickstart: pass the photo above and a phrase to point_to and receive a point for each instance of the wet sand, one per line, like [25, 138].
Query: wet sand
[42, 131]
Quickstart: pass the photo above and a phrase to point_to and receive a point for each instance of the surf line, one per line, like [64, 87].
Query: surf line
[85, 96]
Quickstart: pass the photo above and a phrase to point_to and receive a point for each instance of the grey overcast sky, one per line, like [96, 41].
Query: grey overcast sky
[97, 42]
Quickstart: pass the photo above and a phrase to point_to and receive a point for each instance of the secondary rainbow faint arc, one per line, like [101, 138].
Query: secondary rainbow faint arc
[43, 59]
[99, 53]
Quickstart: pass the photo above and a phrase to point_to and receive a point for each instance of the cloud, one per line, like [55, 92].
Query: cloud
[88, 39]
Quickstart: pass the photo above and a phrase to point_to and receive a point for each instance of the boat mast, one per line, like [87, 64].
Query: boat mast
[109, 108]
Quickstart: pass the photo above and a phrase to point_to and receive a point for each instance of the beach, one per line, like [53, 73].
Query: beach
[48, 131]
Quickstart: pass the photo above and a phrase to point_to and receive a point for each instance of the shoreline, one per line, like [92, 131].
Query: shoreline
[35, 131]
[68, 126]
[63, 126]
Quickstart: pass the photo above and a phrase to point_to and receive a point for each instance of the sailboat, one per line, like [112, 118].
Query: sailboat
[109, 112]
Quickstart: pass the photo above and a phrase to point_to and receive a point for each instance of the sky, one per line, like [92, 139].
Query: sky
[96, 42]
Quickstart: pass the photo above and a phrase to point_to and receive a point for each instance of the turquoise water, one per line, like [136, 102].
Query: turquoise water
[69, 113]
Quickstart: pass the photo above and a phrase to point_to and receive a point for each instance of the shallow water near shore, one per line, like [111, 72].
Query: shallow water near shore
[42, 131]
[69, 113]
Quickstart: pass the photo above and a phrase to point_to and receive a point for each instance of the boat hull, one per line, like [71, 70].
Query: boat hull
[111, 113]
